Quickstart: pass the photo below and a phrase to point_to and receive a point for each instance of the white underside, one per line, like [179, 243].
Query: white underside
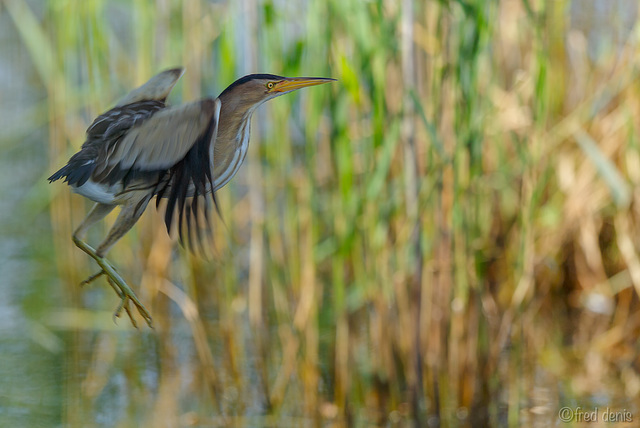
[97, 192]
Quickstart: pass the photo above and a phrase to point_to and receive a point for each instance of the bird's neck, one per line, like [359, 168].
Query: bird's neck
[234, 122]
[233, 114]
[232, 140]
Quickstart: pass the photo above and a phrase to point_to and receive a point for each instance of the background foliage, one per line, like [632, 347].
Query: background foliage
[448, 235]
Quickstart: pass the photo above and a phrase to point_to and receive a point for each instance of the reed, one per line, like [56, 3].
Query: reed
[448, 234]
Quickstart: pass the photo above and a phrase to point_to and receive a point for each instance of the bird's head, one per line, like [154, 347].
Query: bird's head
[250, 91]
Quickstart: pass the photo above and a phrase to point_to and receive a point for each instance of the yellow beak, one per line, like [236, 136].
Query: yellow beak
[293, 83]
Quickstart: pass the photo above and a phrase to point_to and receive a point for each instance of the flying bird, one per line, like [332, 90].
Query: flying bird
[143, 148]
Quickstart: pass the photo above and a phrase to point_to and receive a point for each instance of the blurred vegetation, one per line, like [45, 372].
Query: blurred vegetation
[447, 236]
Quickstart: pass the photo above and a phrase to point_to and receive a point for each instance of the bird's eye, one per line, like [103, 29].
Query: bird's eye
[270, 85]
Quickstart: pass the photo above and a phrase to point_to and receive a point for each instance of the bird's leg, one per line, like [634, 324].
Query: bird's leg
[126, 219]
[128, 216]
[97, 213]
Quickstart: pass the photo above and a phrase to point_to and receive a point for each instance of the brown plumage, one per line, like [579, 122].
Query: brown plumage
[143, 148]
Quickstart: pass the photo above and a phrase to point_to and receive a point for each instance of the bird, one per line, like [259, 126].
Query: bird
[144, 148]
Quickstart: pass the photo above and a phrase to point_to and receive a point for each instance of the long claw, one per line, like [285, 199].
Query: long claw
[128, 311]
[124, 304]
[124, 292]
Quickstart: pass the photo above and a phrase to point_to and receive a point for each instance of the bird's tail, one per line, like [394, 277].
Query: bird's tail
[61, 173]
[73, 174]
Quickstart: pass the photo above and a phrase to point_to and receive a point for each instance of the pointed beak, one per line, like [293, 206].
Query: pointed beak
[293, 83]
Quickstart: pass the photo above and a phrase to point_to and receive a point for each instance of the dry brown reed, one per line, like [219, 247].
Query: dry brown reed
[447, 236]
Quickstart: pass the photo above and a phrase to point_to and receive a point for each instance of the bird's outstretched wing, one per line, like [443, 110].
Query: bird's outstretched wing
[106, 131]
[178, 141]
[135, 141]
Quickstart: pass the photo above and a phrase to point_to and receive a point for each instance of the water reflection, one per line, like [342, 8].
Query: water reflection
[365, 307]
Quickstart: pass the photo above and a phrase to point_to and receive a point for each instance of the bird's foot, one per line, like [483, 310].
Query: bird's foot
[124, 304]
[124, 292]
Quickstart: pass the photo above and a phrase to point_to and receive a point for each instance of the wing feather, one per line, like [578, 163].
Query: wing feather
[155, 141]
[189, 180]
[165, 138]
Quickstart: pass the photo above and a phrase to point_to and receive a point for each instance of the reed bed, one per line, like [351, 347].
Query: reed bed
[447, 236]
